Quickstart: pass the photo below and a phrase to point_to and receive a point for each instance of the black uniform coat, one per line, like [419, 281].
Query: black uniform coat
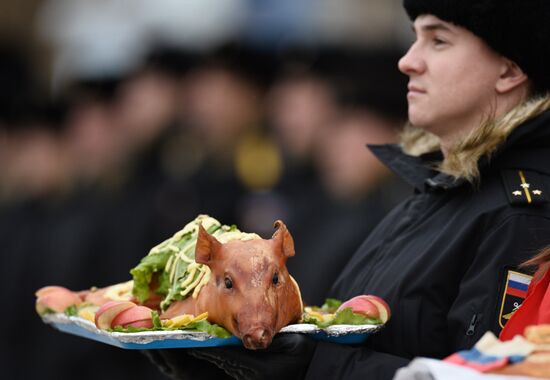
[441, 258]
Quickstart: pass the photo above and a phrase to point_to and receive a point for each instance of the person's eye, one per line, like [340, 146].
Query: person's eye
[438, 41]
[228, 283]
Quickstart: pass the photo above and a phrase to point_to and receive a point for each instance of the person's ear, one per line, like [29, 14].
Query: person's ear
[511, 77]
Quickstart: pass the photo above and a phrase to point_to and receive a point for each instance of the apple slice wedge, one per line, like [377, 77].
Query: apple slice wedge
[138, 316]
[108, 311]
[55, 298]
[368, 305]
[143, 324]
[361, 305]
[383, 308]
[49, 289]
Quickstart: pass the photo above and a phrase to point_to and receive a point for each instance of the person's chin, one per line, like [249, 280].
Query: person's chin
[416, 118]
[421, 123]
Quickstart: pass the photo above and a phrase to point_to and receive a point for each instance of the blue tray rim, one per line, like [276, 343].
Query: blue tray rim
[144, 340]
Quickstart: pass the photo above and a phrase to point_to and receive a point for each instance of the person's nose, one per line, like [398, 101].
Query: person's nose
[412, 62]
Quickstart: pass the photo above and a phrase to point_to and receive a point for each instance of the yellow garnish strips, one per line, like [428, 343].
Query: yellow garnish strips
[183, 320]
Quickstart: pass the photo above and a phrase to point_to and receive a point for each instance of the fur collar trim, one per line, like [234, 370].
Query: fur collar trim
[462, 160]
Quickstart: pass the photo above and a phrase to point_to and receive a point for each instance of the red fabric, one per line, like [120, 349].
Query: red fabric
[478, 366]
[535, 309]
[455, 359]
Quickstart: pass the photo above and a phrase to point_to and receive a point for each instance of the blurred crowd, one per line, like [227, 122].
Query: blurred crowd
[97, 174]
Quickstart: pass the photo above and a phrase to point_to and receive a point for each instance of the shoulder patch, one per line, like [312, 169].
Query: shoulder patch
[514, 292]
[524, 187]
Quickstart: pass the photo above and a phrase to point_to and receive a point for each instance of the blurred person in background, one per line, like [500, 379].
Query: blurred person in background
[221, 109]
[149, 100]
[347, 173]
[33, 165]
[24, 124]
[143, 114]
[299, 103]
[93, 141]
[57, 168]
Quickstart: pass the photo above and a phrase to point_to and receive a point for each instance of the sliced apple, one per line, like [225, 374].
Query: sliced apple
[56, 299]
[370, 306]
[95, 296]
[49, 289]
[383, 307]
[108, 311]
[143, 324]
[361, 305]
[134, 316]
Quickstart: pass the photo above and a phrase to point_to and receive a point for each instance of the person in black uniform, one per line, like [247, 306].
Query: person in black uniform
[477, 154]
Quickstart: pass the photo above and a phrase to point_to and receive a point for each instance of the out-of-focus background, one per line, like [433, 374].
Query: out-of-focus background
[121, 120]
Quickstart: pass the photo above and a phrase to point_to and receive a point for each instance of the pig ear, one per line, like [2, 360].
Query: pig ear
[207, 246]
[283, 237]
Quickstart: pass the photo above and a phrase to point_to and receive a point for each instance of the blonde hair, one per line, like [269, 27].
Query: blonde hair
[461, 161]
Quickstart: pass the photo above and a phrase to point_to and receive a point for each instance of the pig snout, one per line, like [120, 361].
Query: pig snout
[258, 338]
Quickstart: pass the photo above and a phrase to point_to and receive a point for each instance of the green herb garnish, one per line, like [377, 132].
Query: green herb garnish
[71, 311]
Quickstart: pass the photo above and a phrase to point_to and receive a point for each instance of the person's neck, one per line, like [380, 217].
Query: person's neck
[448, 140]
[501, 107]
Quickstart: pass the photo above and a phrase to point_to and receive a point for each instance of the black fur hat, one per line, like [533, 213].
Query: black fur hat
[517, 29]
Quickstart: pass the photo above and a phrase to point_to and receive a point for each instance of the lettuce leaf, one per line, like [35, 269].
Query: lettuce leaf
[172, 289]
[164, 284]
[331, 305]
[348, 317]
[143, 273]
[210, 328]
[202, 326]
[327, 315]
[157, 324]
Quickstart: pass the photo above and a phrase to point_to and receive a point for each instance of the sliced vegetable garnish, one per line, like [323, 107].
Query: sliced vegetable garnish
[327, 315]
[71, 311]
[183, 320]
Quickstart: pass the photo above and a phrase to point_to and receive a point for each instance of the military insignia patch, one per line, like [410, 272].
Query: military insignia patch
[514, 292]
[524, 187]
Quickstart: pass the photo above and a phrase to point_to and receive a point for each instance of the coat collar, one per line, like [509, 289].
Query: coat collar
[527, 147]
[417, 171]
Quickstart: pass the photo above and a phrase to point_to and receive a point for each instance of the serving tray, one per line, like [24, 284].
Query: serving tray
[148, 340]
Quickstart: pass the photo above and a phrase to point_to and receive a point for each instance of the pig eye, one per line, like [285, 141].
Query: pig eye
[228, 283]
[275, 278]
